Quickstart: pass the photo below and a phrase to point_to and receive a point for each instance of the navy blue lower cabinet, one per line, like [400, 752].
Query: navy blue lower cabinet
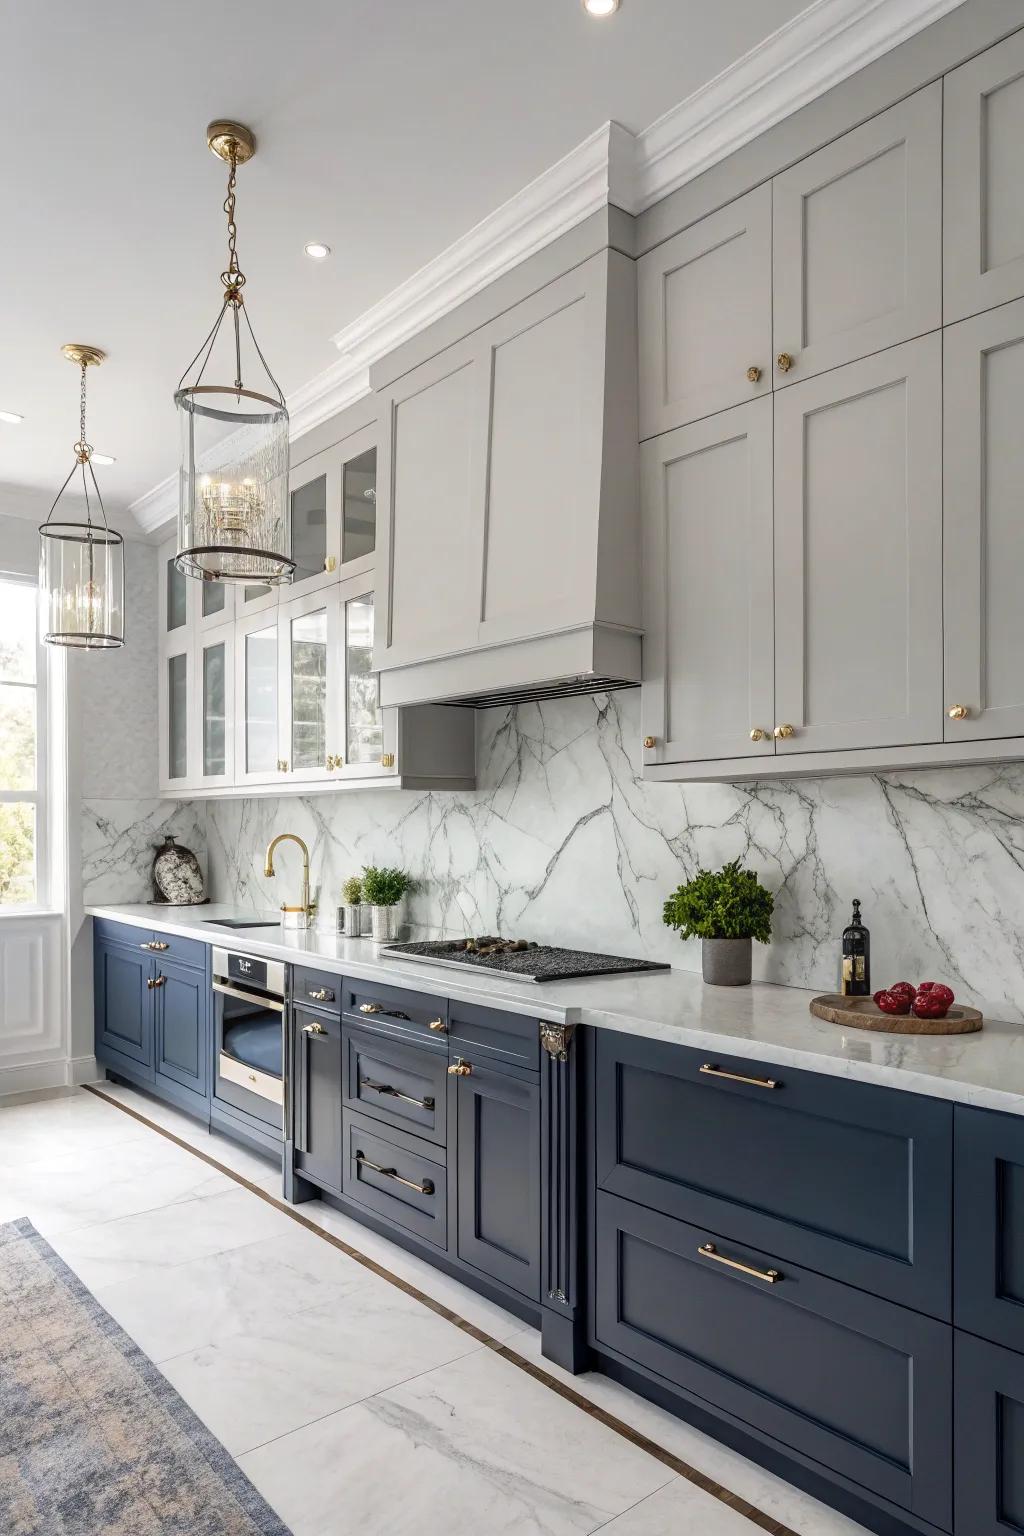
[123, 1003]
[841, 1177]
[316, 1096]
[846, 1380]
[396, 1176]
[989, 1428]
[989, 1217]
[181, 1027]
[497, 1116]
[399, 1081]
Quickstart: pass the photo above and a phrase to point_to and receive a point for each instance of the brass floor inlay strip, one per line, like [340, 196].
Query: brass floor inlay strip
[674, 1463]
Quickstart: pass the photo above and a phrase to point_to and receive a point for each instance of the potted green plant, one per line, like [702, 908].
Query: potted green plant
[383, 890]
[725, 909]
[353, 916]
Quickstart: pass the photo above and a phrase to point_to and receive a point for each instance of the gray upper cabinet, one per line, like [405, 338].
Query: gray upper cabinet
[983, 543]
[984, 209]
[709, 677]
[705, 309]
[858, 551]
[857, 241]
[507, 502]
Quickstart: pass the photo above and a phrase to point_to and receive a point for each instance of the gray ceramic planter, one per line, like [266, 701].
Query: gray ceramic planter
[386, 923]
[726, 962]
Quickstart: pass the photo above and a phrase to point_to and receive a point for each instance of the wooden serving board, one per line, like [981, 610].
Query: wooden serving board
[864, 1013]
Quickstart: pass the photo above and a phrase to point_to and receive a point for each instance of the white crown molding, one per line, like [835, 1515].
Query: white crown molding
[819, 48]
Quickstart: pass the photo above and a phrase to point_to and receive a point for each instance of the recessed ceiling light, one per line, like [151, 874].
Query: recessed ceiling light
[103, 458]
[600, 7]
[12, 418]
[317, 250]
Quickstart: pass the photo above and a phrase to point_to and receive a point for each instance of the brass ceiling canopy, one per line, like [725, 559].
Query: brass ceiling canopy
[85, 356]
[226, 138]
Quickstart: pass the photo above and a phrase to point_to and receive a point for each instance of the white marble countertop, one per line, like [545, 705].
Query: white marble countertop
[761, 1022]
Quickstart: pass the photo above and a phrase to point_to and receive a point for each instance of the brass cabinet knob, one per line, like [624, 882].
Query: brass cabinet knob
[150, 983]
[784, 732]
[330, 563]
[758, 735]
[160, 981]
[958, 712]
[754, 373]
[459, 1068]
[371, 1007]
[282, 765]
[438, 1026]
[649, 743]
[784, 362]
[387, 759]
[313, 1029]
[158, 944]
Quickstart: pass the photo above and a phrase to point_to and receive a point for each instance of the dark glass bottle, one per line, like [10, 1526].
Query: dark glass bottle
[856, 972]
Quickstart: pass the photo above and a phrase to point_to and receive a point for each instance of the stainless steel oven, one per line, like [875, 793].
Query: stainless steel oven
[248, 997]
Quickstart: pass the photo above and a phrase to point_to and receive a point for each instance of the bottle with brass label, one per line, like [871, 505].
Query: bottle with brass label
[855, 978]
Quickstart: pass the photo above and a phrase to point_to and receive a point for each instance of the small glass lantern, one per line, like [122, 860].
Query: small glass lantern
[81, 564]
[233, 513]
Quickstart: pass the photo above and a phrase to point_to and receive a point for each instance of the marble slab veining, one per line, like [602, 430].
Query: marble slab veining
[762, 1022]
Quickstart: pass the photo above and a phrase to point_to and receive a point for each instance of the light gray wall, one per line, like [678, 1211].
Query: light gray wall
[563, 842]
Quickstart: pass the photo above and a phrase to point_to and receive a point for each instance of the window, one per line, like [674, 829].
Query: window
[22, 754]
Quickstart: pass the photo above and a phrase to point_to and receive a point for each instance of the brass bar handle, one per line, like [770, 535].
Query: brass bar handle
[426, 1188]
[460, 1068]
[438, 1026]
[710, 1070]
[313, 1029]
[769, 1276]
[395, 1093]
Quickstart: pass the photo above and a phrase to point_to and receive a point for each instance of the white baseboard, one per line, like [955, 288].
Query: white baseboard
[49, 1074]
[84, 1069]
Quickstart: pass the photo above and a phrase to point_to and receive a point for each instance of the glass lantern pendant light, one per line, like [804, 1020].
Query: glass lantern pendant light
[81, 565]
[233, 522]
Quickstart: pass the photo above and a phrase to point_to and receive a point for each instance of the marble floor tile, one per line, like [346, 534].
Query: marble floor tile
[679, 1509]
[238, 1158]
[475, 1446]
[44, 1129]
[240, 1291]
[254, 1387]
[130, 1247]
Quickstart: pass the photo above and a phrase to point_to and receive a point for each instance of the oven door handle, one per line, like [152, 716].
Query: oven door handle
[248, 997]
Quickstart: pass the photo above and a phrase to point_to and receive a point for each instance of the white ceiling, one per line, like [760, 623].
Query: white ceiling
[386, 128]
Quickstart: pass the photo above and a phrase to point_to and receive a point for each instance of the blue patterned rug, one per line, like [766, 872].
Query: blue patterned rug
[93, 1440]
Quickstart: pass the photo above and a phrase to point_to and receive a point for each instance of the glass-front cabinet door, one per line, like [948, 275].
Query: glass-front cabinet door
[214, 603]
[214, 719]
[175, 608]
[257, 707]
[369, 732]
[314, 507]
[308, 684]
[359, 503]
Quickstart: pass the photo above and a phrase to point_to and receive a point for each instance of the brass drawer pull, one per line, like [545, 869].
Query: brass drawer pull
[160, 981]
[313, 1029]
[321, 995]
[438, 1026]
[769, 1276]
[145, 946]
[159, 944]
[426, 1188]
[710, 1070]
[371, 1007]
[459, 1068]
[395, 1093]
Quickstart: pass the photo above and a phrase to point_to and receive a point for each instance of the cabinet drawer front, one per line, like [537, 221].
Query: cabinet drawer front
[490, 1037]
[170, 946]
[845, 1178]
[855, 1383]
[395, 1180]
[988, 1434]
[415, 1014]
[989, 1223]
[108, 932]
[319, 988]
[401, 1084]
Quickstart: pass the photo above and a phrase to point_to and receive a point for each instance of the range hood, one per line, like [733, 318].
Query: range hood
[508, 511]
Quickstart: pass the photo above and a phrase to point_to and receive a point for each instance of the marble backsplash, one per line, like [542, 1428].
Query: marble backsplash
[119, 838]
[562, 841]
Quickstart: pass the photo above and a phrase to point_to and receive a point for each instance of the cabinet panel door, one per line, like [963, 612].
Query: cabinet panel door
[124, 1003]
[707, 507]
[430, 496]
[857, 1384]
[858, 553]
[988, 1435]
[316, 1086]
[257, 704]
[983, 223]
[857, 240]
[213, 722]
[181, 1024]
[498, 1128]
[989, 1224]
[705, 309]
[309, 683]
[983, 538]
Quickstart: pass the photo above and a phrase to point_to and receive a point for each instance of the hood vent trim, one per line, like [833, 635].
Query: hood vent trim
[537, 693]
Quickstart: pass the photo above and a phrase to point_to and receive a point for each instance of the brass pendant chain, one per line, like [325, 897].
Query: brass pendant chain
[233, 277]
[82, 447]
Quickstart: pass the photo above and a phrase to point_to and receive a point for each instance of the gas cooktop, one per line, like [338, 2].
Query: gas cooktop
[519, 959]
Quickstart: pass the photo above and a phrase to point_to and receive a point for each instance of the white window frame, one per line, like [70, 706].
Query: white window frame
[39, 796]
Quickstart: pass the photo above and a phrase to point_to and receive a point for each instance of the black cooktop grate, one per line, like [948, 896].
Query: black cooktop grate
[545, 963]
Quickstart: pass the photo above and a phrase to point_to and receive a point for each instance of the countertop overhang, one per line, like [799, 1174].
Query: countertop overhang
[763, 1022]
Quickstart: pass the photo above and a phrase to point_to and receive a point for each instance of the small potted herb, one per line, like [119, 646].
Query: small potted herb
[725, 909]
[353, 917]
[383, 890]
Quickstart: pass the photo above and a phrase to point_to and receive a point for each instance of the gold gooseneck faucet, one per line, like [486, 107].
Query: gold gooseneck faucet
[304, 912]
